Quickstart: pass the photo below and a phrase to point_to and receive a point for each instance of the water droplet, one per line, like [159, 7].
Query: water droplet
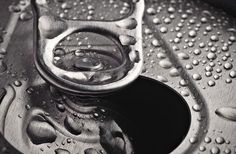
[214, 38]
[207, 140]
[61, 107]
[174, 72]
[220, 140]
[91, 151]
[155, 43]
[232, 74]
[156, 21]
[228, 66]
[41, 132]
[192, 33]
[193, 140]
[130, 23]
[228, 113]
[211, 83]
[184, 93]
[72, 126]
[151, 11]
[202, 148]
[197, 51]
[165, 64]
[197, 77]
[17, 83]
[215, 150]
[183, 56]
[162, 78]
[127, 40]
[61, 151]
[197, 107]
[163, 30]
[211, 56]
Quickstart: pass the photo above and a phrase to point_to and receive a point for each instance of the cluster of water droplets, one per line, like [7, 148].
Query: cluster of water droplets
[90, 10]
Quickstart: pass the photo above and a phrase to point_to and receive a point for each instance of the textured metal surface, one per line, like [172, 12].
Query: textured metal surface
[188, 45]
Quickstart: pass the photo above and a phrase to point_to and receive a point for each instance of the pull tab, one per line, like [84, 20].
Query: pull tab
[79, 67]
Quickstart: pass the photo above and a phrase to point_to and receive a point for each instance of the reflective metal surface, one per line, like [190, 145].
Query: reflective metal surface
[188, 45]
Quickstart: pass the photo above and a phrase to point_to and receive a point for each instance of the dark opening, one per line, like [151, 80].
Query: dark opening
[157, 118]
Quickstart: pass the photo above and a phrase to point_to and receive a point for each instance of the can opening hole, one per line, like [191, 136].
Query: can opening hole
[157, 118]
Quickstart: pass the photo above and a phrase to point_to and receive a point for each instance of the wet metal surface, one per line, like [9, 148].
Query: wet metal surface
[188, 46]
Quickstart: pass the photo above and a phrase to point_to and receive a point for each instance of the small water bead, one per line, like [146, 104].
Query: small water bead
[192, 33]
[193, 140]
[188, 67]
[211, 56]
[232, 38]
[220, 140]
[184, 93]
[228, 66]
[161, 55]
[151, 11]
[195, 62]
[228, 80]
[174, 72]
[208, 74]
[171, 10]
[162, 78]
[214, 38]
[215, 150]
[208, 68]
[155, 43]
[202, 148]
[17, 83]
[196, 76]
[207, 140]
[156, 21]
[211, 83]
[165, 64]
[163, 29]
[232, 74]
[197, 107]
[227, 151]
[197, 51]
[183, 83]
[183, 56]
[167, 20]
[60, 107]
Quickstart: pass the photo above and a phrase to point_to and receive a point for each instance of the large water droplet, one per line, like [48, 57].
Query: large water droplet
[41, 132]
[61, 151]
[228, 113]
[72, 126]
